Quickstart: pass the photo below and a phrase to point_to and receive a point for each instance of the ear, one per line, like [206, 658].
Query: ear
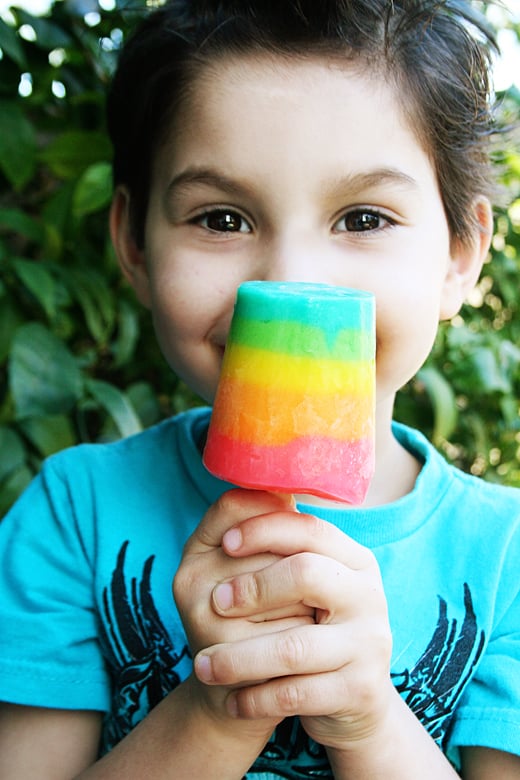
[131, 258]
[466, 260]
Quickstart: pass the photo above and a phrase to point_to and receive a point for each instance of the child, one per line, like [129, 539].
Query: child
[333, 141]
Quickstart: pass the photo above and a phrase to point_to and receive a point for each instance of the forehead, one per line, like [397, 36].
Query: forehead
[282, 83]
[272, 110]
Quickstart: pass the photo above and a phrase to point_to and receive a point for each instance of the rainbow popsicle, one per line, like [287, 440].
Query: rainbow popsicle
[294, 409]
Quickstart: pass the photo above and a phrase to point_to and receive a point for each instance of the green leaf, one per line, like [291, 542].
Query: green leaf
[56, 215]
[11, 45]
[48, 35]
[12, 451]
[20, 222]
[49, 434]
[145, 402]
[509, 356]
[117, 405]
[443, 401]
[10, 321]
[17, 144]
[93, 190]
[39, 281]
[57, 208]
[127, 334]
[509, 409]
[95, 298]
[487, 372]
[12, 486]
[74, 151]
[43, 374]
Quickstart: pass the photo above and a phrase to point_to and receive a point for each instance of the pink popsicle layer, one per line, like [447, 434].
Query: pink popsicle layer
[290, 468]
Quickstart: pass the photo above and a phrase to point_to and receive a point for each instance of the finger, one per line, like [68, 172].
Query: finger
[307, 649]
[230, 509]
[287, 533]
[314, 581]
[304, 696]
[279, 613]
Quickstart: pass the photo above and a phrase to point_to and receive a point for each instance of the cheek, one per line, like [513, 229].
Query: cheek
[405, 334]
[190, 326]
[185, 349]
[174, 316]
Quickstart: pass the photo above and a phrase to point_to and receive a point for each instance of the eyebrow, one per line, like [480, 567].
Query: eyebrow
[386, 177]
[356, 182]
[206, 176]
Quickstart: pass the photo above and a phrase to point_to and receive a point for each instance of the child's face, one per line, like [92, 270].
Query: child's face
[296, 171]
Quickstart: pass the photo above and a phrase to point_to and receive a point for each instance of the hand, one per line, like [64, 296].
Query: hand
[205, 564]
[334, 672]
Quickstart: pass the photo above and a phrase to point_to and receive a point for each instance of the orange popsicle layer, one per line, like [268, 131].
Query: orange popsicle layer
[274, 416]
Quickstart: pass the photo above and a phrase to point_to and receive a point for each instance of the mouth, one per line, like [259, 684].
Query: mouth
[219, 352]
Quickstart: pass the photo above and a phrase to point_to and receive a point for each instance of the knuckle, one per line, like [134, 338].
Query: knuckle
[238, 502]
[247, 590]
[385, 647]
[182, 585]
[292, 651]
[224, 507]
[364, 690]
[227, 501]
[290, 698]
[380, 635]
[367, 678]
[251, 704]
[187, 585]
[368, 560]
[204, 534]
[315, 525]
[316, 528]
[302, 568]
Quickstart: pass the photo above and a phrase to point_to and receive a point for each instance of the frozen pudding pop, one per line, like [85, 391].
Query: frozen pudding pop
[294, 409]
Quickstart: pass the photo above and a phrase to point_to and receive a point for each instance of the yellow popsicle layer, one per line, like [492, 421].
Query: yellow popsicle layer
[297, 374]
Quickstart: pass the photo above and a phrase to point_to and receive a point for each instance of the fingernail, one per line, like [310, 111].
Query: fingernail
[232, 539]
[223, 595]
[232, 706]
[203, 668]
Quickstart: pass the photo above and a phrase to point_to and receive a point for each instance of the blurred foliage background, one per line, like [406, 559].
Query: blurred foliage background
[78, 359]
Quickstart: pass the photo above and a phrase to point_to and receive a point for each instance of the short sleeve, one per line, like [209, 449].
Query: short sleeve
[488, 714]
[49, 652]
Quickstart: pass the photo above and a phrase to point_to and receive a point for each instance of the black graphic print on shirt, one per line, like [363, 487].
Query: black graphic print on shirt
[435, 683]
[142, 662]
[138, 651]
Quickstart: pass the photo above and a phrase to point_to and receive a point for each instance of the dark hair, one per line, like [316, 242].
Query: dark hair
[435, 52]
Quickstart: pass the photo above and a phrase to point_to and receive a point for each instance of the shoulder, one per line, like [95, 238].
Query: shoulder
[146, 449]
[464, 492]
[105, 484]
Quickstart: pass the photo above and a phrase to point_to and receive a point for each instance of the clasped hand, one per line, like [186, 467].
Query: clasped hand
[287, 616]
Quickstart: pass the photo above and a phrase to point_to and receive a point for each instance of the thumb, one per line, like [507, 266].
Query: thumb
[232, 508]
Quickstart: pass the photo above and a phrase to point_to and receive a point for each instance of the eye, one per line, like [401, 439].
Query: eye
[362, 221]
[222, 221]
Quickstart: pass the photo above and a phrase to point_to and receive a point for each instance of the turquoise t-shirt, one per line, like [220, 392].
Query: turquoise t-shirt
[87, 620]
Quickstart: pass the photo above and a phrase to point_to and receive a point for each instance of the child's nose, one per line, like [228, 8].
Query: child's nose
[301, 261]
